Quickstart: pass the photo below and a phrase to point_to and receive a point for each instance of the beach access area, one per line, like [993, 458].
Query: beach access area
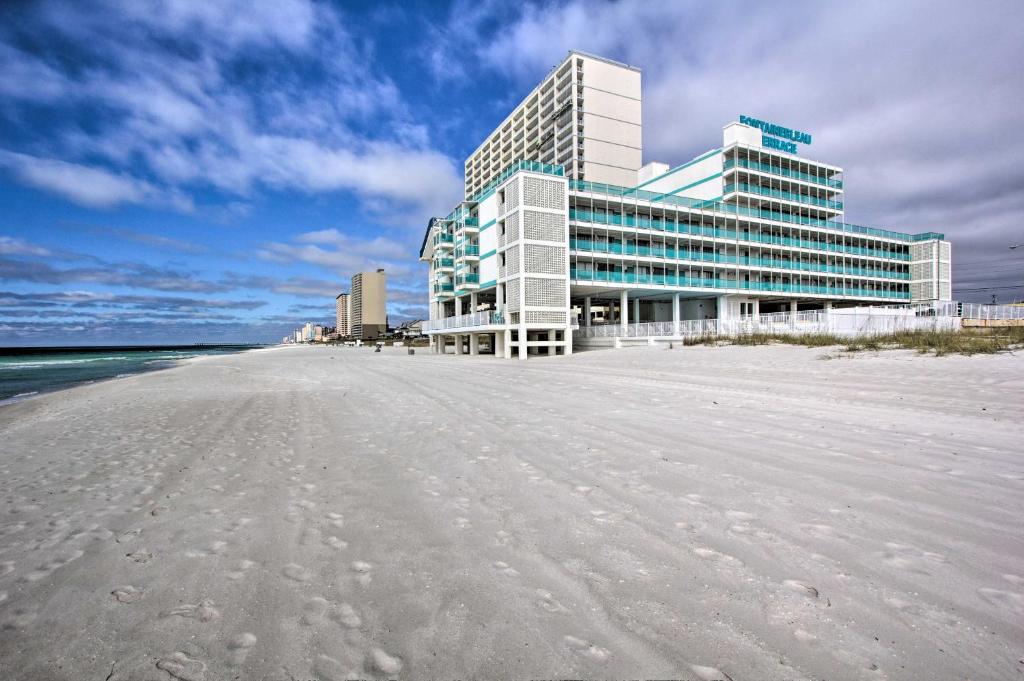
[770, 512]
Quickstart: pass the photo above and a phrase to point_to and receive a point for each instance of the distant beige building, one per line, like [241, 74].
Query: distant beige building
[368, 318]
[343, 313]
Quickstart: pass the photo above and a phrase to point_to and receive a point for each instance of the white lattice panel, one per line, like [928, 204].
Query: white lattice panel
[543, 193]
[545, 292]
[512, 228]
[544, 259]
[542, 317]
[544, 226]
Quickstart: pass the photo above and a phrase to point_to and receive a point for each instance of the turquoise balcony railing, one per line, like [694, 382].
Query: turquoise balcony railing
[720, 233]
[443, 262]
[533, 166]
[671, 253]
[784, 172]
[779, 194]
[468, 278]
[618, 277]
[730, 209]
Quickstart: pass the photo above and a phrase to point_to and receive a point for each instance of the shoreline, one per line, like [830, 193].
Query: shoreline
[167, 363]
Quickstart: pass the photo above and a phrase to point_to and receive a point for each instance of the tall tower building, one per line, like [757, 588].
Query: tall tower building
[584, 116]
[343, 314]
[368, 318]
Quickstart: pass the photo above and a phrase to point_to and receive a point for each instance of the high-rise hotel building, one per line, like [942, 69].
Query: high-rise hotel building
[562, 227]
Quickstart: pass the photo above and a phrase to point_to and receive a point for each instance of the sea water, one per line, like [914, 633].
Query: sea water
[25, 372]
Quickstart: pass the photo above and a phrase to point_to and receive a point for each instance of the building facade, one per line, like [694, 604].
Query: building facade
[747, 228]
[584, 116]
[368, 301]
[343, 314]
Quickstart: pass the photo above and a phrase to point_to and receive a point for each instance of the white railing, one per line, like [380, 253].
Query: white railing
[976, 311]
[466, 321]
[857, 321]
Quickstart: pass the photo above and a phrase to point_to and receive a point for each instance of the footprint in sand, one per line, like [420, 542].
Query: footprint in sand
[505, 569]
[347, 616]
[181, 666]
[502, 538]
[336, 543]
[586, 648]
[314, 610]
[800, 588]
[127, 594]
[296, 572]
[142, 556]
[547, 602]
[239, 569]
[239, 647]
[384, 663]
[203, 611]
[462, 523]
[362, 570]
[310, 536]
[709, 673]
[336, 519]
[130, 535]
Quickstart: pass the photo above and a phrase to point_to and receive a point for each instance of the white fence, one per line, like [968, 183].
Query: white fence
[856, 321]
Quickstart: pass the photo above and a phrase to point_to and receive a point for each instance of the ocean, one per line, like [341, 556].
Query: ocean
[25, 372]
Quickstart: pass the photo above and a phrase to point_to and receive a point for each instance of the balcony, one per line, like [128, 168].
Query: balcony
[784, 172]
[444, 241]
[443, 264]
[467, 252]
[469, 280]
[445, 289]
[475, 320]
[619, 277]
[779, 194]
[467, 226]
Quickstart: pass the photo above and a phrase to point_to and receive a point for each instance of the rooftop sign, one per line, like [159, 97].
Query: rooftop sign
[776, 136]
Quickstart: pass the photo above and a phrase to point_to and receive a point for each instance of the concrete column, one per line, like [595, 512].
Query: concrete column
[499, 344]
[624, 311]
[523, 336]
[586, 311]
[458, 344]
[506, 344]
[551, 348]
[636, 310]
[828, 304]
[474, 344]
[568, 341]
[472, 302]
[675, 314]
[458, 305]
[793, 306]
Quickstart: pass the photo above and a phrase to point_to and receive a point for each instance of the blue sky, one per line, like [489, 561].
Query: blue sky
[176, 171]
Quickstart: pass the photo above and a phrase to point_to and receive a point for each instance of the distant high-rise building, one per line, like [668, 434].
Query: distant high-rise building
[368, 296]
[307, 331]
[298, 335]
[343, 314]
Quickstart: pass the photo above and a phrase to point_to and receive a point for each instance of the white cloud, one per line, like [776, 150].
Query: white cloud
[90, 186]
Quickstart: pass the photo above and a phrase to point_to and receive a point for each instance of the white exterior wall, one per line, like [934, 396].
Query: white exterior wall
[487, 210]
[680, 180]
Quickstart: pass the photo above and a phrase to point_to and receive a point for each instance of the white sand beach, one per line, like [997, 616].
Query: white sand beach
[697, 513]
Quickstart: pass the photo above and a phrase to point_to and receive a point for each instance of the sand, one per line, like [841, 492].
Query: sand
[697, 513]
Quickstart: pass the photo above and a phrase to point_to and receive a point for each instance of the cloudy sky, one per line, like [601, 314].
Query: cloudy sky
[178, 171]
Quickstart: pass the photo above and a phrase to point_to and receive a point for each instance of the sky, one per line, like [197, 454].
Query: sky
[175, 171]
